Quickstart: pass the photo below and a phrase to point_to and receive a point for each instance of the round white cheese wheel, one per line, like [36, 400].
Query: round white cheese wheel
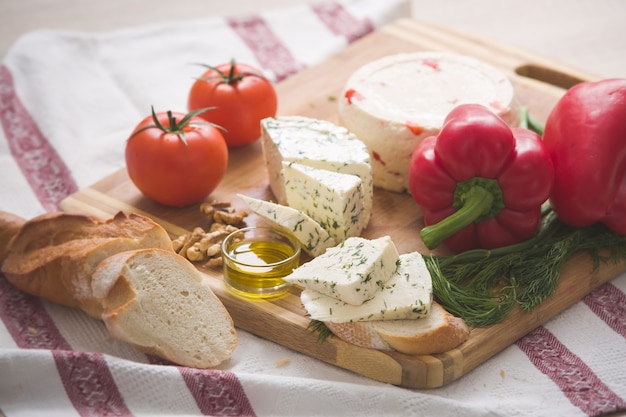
[391, 104]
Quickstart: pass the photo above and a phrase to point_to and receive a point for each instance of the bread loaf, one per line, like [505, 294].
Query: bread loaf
[53, 255]
[125, 272]
[10, 224]
[54, 229]
[438, 332]
[157, 301]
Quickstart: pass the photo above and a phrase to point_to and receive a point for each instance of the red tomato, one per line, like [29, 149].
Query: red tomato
[176, 159]
[241, 98]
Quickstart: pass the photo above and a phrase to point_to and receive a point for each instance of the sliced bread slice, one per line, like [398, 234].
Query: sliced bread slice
[53, 255]
[438, 332]
[158, 302]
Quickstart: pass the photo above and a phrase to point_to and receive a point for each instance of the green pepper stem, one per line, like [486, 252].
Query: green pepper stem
[527, 121]
[477, 202]
[551, 227]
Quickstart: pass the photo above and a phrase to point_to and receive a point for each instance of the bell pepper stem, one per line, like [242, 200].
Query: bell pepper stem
[477, 202]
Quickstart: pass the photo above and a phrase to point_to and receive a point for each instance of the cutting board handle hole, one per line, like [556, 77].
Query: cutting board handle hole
[548, 75]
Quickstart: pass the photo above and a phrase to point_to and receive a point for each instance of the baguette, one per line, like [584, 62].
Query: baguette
[10, 225]
[438, 332]
[56, 228]
[123, 271]
[157, 301]
[53, 255]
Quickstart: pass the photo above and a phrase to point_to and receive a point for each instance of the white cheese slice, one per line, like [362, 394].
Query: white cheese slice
[352, 271]
[407, 295]
[332, 199]
[391, 104]
[313, 238]
[318, 144]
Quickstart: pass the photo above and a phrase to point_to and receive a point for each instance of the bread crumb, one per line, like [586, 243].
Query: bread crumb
[32, 330]
[502, 373]
[282, 362]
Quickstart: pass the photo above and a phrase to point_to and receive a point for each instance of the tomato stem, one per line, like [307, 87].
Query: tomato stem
[174, 126]
[230, 78]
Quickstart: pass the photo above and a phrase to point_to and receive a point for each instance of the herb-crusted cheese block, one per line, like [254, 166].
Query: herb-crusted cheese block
[313, 238]
[318, 144]
[407, 295]
[391, 104]
[352, 272]
[332, 199]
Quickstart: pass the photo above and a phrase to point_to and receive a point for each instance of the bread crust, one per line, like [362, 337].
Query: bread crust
[447, 336]
[80, 261]
[437, 333]
[53, 255]
[53, 229]
[151, 309]
[10, 225]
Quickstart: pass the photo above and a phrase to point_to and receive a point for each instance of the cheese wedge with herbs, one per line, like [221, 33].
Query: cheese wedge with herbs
[318, 144]
[353, 271]
[312, 237]
[408, 294]
[332, 199]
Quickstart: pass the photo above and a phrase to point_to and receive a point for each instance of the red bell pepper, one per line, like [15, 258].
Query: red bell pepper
[586, 136]
[479, 182]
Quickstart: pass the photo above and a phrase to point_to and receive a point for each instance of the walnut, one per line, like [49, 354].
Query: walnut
[222, 212]
[205, 246]
[228, 228]
[215, 262]
[229, 217]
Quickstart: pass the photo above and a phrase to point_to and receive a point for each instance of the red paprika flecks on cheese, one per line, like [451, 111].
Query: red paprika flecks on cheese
[393, 103]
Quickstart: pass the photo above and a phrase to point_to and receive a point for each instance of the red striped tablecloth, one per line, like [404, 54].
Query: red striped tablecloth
[67, 103]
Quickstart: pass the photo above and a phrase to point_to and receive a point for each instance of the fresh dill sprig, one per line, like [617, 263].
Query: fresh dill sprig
[319, 327]
[482, 286]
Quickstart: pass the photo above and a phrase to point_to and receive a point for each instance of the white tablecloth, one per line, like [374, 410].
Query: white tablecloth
[68, 101]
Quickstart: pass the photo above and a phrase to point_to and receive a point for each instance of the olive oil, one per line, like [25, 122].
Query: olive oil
[256, 267]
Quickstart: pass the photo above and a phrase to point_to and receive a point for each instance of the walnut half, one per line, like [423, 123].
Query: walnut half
[205, 246]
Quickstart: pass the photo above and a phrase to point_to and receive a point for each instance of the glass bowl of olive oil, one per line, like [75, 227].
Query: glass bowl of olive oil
[256, 259]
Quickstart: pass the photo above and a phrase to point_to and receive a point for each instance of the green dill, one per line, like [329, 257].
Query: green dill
[323, 332]
[483, 286]
[298, 225]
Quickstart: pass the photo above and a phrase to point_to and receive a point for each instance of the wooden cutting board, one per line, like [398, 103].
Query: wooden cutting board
[539, 83]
